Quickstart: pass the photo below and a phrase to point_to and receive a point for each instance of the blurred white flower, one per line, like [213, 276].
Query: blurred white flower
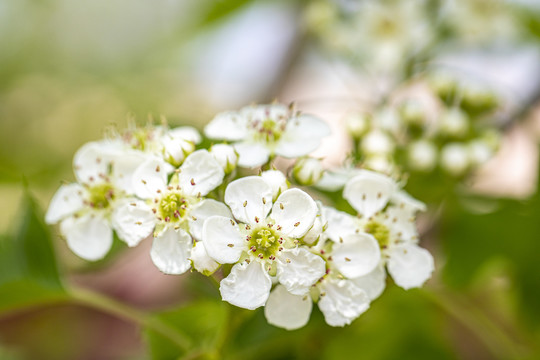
[263, 131]
[455, 158]
[422, 155]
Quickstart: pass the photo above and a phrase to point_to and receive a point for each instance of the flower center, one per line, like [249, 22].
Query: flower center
[269, 130]
[100, 196]
[172, 206]
[380, 232]
[139, 138]
[265, 243]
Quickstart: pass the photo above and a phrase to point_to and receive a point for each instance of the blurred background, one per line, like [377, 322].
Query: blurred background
[70, 69]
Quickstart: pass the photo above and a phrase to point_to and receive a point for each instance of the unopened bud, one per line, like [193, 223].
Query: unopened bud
[357, 124]
[307, 171]
[455, 159]
[377, 142]
[226, 156]
[454, 122]
[422, 155]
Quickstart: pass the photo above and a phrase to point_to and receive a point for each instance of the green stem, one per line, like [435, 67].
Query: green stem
[121, 310]
[496, 340]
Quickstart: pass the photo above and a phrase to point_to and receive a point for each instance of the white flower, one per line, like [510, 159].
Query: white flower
[262, 245]
[307, 171]
[88, 211]
[177, 209]
[263, 131]
[388, 215]
[480, 152]
[226, 156]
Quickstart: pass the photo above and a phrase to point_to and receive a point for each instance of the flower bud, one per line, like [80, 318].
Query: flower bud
[226, 156]
[176, 150]
[422, 155]
[357, 124]
[454, 122]
[479, 152]
[276, 180]
[455, 159]
[377, 142]
[412, 112]
[307, 171]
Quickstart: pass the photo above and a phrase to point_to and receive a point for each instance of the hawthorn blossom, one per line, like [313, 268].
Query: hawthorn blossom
[90, 209]
[387, 213]
[263, 243]
[176, 209]
[261, 132]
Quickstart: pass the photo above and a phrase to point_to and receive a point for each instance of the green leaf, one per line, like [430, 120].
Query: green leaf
[28, 268]
[201, 322]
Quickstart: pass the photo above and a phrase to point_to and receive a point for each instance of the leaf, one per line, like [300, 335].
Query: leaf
[202, 322]
[28, 268]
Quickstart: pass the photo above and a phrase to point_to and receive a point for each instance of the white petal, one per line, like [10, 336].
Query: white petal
[150, 177]
[410, 265]
[276, 180]
[202, 262]
[339, 223]
[302, 136]
[342, 301]
[335, 180]
[369, 192]
[247, 286]
[298, 269]
[67, 200]
[402, 199]
[188, 133]
[124, 166]
[251, 155]
[203, 211]
[401, 223]
[133, 221]
[357, 255]
[295, 212]
[286, 310]
[222, 239]
[200, 173]
[373, 283]
[227, 126]
[89, 236]
[91, 162]
[245, 198]
[317, 229]
[171, 251]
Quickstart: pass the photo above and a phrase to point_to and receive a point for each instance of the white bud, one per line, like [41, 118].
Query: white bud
[412, 112]
[226, 156]
[455, 158]
[480, 152]
[176, 150]
[422, 155]
[377, 142]
[276, 180]
[454, 122]
[357, 124]
[307, 171]
[379, 163]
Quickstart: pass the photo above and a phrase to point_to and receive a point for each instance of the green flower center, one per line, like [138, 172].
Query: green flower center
[380, 232]
[269, 130]
[265, 243]
[100, 196]
[172, 207]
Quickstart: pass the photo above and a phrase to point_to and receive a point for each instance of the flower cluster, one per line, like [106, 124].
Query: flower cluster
[434, 124]
[269, 244]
